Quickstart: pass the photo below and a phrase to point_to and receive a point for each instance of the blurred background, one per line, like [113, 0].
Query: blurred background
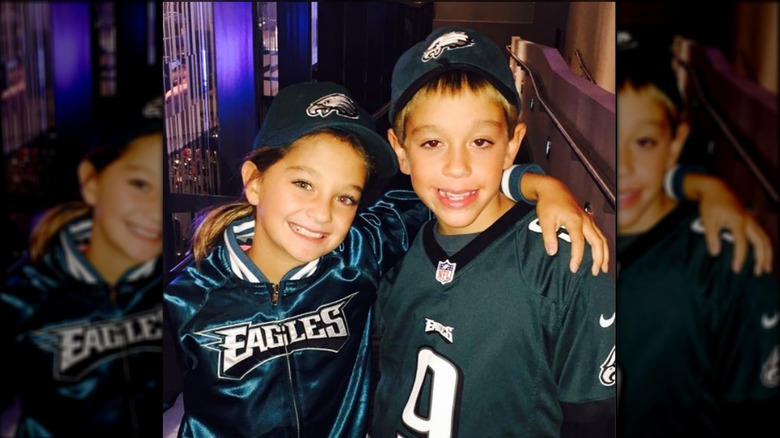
[727, 68]
[66, 69]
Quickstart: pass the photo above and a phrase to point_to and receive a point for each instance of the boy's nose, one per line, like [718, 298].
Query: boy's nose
[457, 163]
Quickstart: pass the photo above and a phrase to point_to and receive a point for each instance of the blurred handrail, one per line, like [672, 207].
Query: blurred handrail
[597, 175]
[381, 111]
[758, 172]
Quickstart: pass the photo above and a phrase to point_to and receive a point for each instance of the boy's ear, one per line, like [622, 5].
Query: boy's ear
[88, 182]
[678, 142]
[514, 145]
[400, 152]
[250, 175]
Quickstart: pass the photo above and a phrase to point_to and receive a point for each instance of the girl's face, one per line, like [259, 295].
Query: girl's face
[647, 148]
[305, 202]
[455, 149]
[126, 198]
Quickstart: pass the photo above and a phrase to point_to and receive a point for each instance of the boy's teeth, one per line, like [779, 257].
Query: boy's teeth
[305, 232]
[455, 196]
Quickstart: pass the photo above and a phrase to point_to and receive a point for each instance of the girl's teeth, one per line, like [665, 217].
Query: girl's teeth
[304, 232]
[145, 232]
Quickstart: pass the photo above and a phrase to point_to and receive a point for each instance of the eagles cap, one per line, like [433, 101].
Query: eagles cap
[127, 121]
[301, 109]
[450, 48]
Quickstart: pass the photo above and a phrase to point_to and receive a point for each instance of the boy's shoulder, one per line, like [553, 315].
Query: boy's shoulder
[679, 240]
[529, 242]
[513, 244]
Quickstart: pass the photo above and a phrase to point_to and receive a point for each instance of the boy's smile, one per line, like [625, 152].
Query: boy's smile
[455, 150]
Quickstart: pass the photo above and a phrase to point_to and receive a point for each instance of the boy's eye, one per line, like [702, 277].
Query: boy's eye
[140, 184]
[482, 142]
[348, 200]
[302, 184]
[646, 142]
[430, 144]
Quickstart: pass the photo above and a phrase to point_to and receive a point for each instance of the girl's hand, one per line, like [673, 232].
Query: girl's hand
[720, 208]
[556, 207]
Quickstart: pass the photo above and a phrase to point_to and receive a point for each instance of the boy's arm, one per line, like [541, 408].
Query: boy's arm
[556, 207]
[720, 208]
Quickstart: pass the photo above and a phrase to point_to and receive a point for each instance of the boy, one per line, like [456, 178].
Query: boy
[698, 345]
[480, 338]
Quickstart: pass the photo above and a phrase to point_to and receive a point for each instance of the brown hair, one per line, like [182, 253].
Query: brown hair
[452, 83]
[52, 220]
[211, 224]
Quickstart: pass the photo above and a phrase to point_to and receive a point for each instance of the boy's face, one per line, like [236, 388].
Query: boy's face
[647, 148]
[455, 150]
[305, 202]
[126, 197]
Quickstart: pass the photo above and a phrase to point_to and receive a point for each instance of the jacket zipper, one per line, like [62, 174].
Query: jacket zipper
[275, 301]
[112, 295]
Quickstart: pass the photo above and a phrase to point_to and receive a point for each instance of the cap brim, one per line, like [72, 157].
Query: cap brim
[385, 161]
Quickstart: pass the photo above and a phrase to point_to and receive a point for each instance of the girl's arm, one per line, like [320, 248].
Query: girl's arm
[557, 207]
[720, 208]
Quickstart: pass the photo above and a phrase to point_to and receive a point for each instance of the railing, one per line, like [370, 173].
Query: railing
[746, 152]
[604, 181]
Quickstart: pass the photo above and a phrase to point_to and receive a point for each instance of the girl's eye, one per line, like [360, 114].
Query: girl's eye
[140, 184]
[430, 144]
[348, 200]
[302, 184]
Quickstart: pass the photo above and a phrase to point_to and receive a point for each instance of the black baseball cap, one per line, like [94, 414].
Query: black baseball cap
[127, 121]
[301, 109]
[450, 48]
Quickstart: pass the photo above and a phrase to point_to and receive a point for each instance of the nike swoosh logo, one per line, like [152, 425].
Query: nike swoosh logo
[606, 322]
[769, 322]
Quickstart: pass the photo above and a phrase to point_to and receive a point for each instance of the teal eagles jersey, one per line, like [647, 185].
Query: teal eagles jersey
[697, 344]
[499, 339]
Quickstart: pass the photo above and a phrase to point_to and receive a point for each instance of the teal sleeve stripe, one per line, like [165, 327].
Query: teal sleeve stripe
[510, 181]
[673, 180]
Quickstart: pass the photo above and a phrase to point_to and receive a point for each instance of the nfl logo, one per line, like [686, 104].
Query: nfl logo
[445, 271]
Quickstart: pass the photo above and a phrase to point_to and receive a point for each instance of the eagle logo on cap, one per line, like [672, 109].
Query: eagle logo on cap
[448, 41]
[333, 103]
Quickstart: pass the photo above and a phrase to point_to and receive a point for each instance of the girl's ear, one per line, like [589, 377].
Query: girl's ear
[678, 142]
[400, 152]
[250, 176]
[88, 182]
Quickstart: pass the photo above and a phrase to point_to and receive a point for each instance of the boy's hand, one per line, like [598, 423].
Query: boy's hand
[557, 207]
[721, 209]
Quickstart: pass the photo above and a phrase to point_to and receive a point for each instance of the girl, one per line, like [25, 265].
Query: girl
[269, 329]
[81, 313]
